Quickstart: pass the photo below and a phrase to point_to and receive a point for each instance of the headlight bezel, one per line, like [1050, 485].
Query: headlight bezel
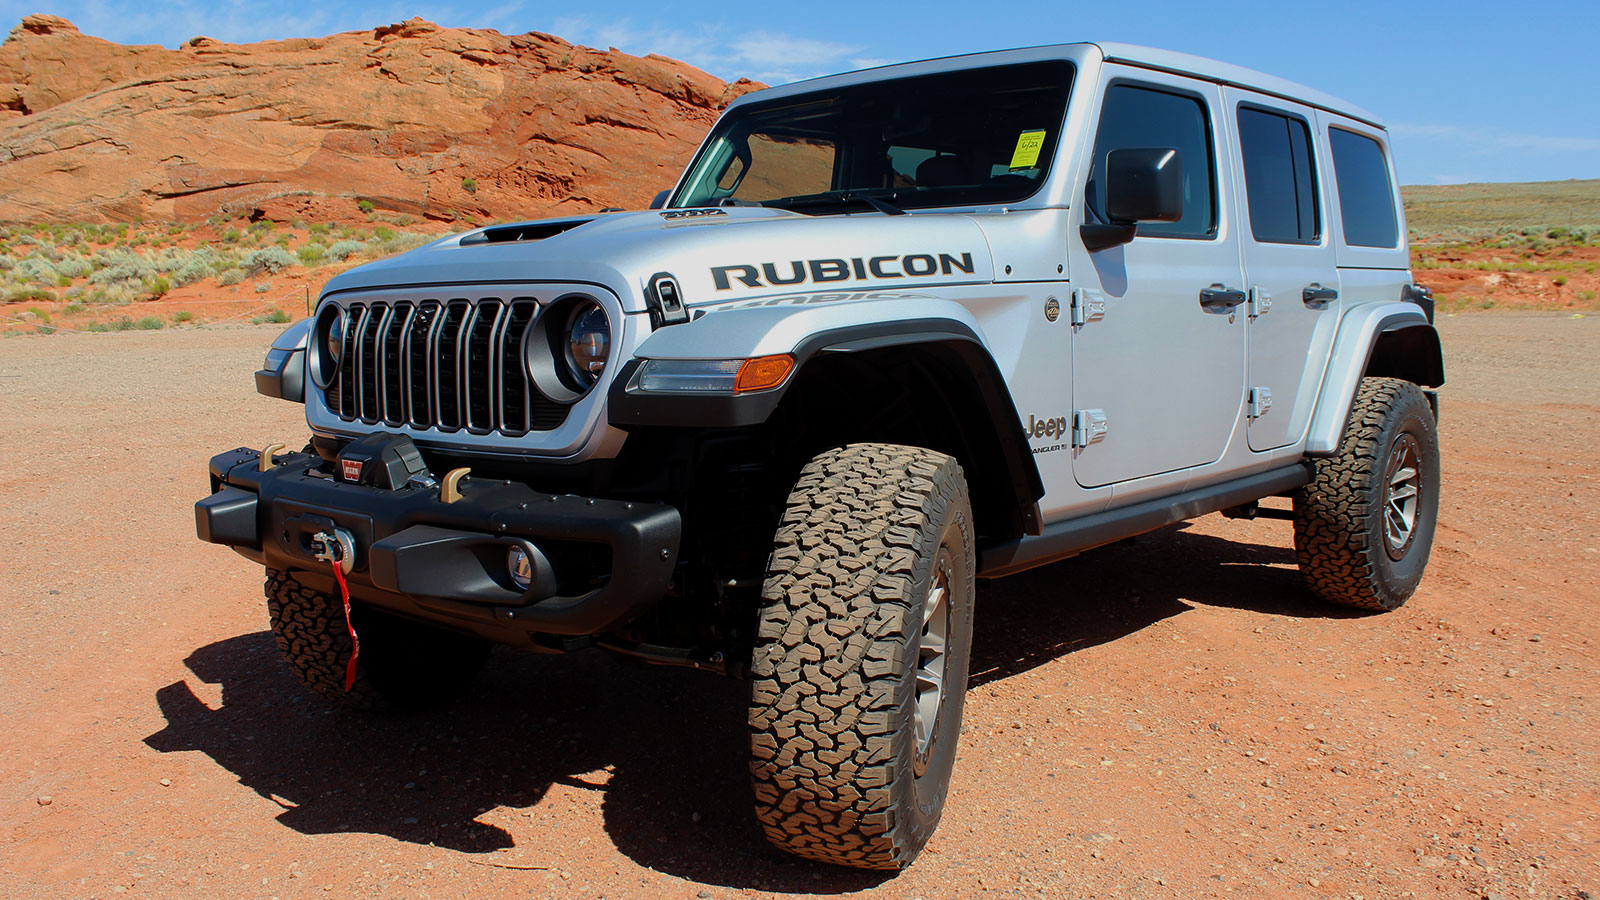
[547, 352]
[325, 345]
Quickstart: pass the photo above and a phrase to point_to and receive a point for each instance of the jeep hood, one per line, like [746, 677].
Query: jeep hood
[716, 255]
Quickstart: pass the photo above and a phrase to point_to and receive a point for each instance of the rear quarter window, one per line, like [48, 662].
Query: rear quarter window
[1366, 196]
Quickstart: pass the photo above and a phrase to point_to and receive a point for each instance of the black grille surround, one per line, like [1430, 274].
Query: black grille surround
[447, 362]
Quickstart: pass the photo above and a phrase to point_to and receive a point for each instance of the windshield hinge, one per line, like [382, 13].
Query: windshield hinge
[665, 300]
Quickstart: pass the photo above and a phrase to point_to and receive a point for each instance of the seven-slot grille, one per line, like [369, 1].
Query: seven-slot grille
[446, 364]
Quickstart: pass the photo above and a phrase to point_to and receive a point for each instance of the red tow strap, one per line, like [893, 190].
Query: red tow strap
[355, 642]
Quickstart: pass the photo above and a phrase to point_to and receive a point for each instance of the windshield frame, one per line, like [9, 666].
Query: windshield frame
[717, 144]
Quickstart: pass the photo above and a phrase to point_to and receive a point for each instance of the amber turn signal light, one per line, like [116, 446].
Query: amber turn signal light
[763, 373]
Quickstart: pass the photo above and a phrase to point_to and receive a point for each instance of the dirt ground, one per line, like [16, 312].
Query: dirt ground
[1172, 718]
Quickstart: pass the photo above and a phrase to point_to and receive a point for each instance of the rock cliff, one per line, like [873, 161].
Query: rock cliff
[412, 118]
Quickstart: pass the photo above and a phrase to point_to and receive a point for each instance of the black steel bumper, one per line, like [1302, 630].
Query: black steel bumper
[597, 563]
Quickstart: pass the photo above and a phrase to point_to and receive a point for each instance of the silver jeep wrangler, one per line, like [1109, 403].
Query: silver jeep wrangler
[892, 332]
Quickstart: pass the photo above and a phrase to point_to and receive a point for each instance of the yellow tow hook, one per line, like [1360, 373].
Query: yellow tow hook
[266, 462]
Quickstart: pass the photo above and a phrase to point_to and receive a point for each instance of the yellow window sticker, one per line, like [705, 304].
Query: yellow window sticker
[1029, 143]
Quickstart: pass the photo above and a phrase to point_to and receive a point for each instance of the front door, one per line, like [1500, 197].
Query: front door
[1289, 263]
[1160, 354]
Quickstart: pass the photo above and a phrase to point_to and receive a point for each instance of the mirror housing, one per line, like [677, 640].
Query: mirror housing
[1143, 184]
[660, 200]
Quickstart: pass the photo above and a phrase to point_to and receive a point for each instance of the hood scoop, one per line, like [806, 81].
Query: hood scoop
[527, 231]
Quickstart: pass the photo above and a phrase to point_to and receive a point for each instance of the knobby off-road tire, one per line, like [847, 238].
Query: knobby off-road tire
[403, 664]
[875, 538]
[1363, 526]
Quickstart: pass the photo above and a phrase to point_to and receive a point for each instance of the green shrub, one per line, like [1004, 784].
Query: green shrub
[73, 308]
[275, 317]
[269, 261]
[364, 205]
[1560, 280]
[182, 316]
[158, 287]
[469, 185]
[97, 327]
[343, 250]
[263, 286]
[383, 233]
[23, 294]
[192, 271]
[230, 277]
[311, 254]
[231, 236]
[74, 267]
[149, 323]
[40, 315]
[319, 228]
[122, 267]
[34, 270]
[124, 323]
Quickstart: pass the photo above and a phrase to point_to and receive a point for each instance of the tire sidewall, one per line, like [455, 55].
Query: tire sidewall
[920, 800]
[1408, 415]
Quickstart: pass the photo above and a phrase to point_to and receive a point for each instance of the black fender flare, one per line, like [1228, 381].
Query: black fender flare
[629, 407]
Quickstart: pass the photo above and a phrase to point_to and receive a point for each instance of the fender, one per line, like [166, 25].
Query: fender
[807, 332]
[1396, 339]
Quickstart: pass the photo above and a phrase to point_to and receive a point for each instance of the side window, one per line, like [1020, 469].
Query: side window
[1278, 180]
[1366, 198]
[1147, 117]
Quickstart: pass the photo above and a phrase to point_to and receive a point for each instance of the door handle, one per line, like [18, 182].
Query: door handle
[1217, 298]
[1316, 293]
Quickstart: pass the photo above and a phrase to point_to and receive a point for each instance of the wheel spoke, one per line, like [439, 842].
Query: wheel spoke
[934, 605]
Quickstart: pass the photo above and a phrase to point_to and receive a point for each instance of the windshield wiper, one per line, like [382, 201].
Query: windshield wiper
[835, 198]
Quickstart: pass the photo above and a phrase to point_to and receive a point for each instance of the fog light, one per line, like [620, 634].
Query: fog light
[520, 567]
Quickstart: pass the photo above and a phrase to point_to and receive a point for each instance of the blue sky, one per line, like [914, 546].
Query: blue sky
[1472, 91]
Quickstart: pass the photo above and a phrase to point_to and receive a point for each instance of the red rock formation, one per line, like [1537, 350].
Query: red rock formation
[411, 117]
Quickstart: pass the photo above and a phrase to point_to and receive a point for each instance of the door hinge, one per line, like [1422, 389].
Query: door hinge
[1085, 309]
[1088, 427]
[1260, 401]
[1260, 302]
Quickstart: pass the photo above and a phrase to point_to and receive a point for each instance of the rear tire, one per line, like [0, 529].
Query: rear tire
[1363, 526]
[860, 664]
[403, 664]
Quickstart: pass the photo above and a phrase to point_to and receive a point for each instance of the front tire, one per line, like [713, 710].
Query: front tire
[860, 665]
[402, 664]
[1363, 526]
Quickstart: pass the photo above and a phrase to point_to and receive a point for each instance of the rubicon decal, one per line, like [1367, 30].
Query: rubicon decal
[858, 268]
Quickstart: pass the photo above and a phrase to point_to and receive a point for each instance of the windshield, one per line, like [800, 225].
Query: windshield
[963, 138]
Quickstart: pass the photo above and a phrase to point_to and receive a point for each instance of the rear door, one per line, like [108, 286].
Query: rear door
[1160, 371]
[1289, 264]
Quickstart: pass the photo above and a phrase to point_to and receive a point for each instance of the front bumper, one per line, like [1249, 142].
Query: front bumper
[598, 563]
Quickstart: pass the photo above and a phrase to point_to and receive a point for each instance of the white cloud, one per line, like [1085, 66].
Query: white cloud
[761, 55]
[1480, 141]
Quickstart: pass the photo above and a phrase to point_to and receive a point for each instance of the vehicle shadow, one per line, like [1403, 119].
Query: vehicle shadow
[665, 747]
[1043, 614]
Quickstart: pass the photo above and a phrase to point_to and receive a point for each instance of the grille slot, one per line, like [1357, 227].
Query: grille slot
[448, 363]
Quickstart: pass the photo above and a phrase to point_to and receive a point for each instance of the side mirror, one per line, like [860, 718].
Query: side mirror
[1143, 184]
[660, 200]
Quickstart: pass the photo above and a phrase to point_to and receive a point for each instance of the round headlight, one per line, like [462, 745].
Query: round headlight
[568, 347]
[325, 350]
[588, 343]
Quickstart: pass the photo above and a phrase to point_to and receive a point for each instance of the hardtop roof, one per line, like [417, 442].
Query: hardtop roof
[1127, 54]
